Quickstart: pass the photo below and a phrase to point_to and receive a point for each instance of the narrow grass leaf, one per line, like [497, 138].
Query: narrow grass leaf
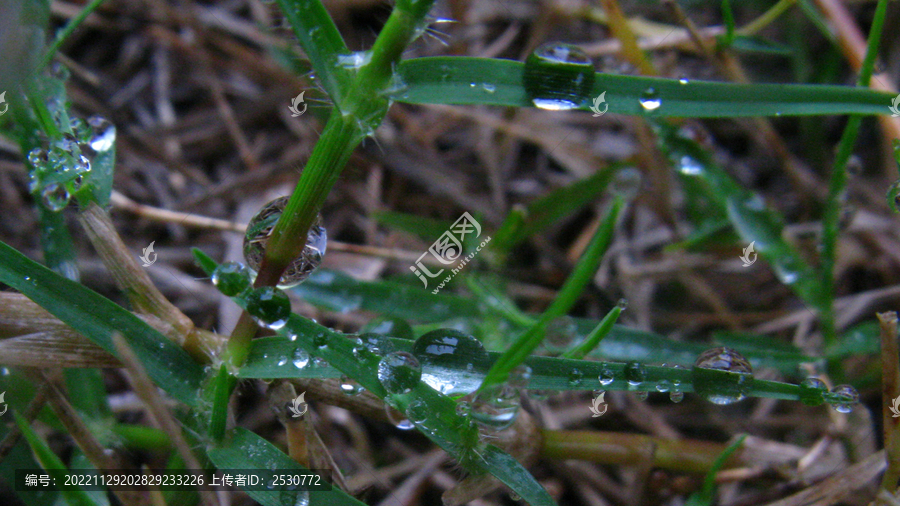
[447, 80]
[323, 44]
[706, 495]
[51, 463]
[245, 450]
[593, 339]
[96, 317]
[569, 293]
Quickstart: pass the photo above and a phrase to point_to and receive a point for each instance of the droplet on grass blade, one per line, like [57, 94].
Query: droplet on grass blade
[269, 306]
[558, 77]
[721, 375]
[399, 372]
[453, 362]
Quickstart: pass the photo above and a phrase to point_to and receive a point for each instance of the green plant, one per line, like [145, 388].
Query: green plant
[69, 159]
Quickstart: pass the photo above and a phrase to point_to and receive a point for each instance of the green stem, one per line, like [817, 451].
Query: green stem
[766, 18]
[838, 184]
[67, 31]
[593, 339]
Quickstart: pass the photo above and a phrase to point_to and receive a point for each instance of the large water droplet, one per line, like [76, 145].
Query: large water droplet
[606, 376]
[231, 278]
[399, 372]
[635, 373]
[397, 418]
[496, 407]
[849, 397]
[558, 77]
[300, 358]
[260, 228]
[270, 306]
[103, 134]
[811, 390]
[350, 386]
[650, 100]
[55, 197]
[453, 362]
[417, 412]
[721, 375]
[389, 326]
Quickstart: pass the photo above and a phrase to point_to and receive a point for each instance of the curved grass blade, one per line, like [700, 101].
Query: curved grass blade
[246, 450]
[96, 317]
[448, 80]
[323, 44]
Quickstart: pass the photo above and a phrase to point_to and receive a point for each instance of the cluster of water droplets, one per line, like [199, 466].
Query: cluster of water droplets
[61, 167]
[260, 228]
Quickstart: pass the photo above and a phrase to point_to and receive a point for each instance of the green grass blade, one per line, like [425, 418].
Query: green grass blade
[323, 44]
[706, 495]
[87, 393]
[223, 385]
[56, 242]
[51, 463]
[447, 80]
[246, 450]
[96, 317]
[64, 34]
[569, 293]
[593, 339]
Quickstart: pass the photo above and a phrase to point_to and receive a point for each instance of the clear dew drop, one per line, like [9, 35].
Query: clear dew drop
[663, 386]
[558, 77]
[642, 395]
[231, 278]
[103, 134]
[399, 372]
[811, 390]
[721, 375]
[496, 407]
[650, 100]
[282, 360]
[269, 306]
[374, 344]
[300, 358]
[453, 362]
[689, 166]
[606, 376]
[561, 334]
[635, 373]
[676, 396]
[626, 183]
[489, 88]
[350, 386]
[397, 418]
[55, 197]
[260, 228]
[321, 340]
[849, 397]
[575, 377]
[417, 412]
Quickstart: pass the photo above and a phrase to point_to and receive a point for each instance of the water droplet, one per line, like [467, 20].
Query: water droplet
[496, 407]
[635, 373]
[389, 326]
[269, 305]
[445, 356]
[622, 304]
[300, 358]
[606, 376]
[642, 395]
[399, 372]
[849, 397]
[55, 197]
[650, 100]
[282, 360]
[689, 166]
[683, 81]
[354, 60]
[103, 134]
[397, 418]
[231, 278]
[575, 377]
[561, 334]
[676, 396]
[811, 390]
[558, 77]
[417, 411]
[721, 375]
[519, 377]
[260, 228]
[626, 183]
[490, 88]
[350, 386]
[319, 362]
[321, 340]
[662, 386]
[375, 344]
